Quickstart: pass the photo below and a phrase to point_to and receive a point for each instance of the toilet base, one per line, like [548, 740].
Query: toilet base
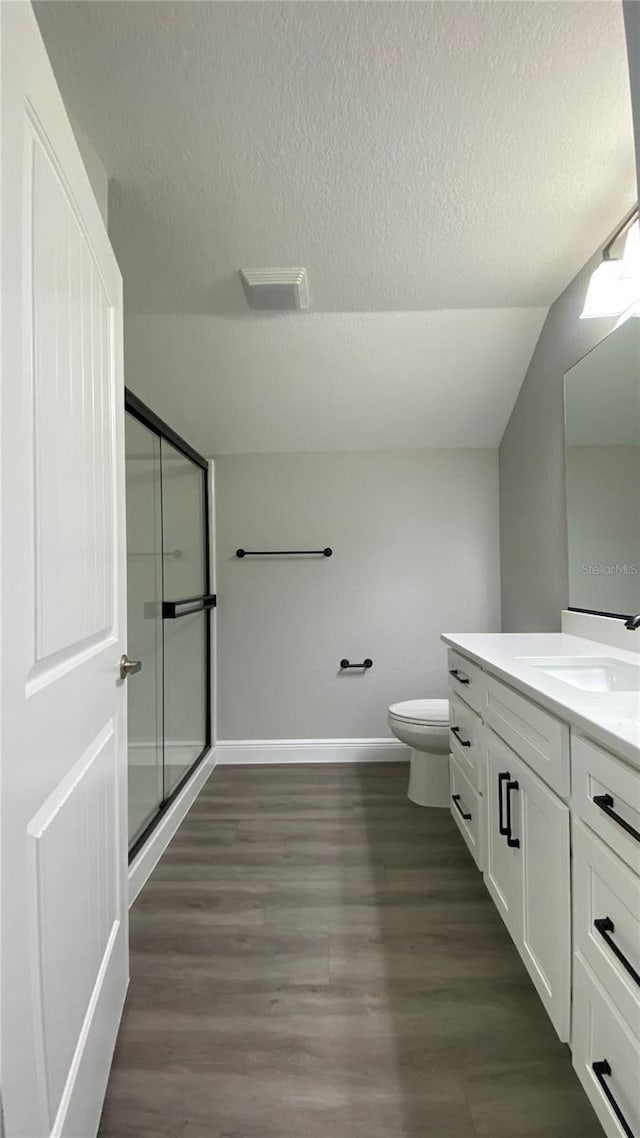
[429, 779]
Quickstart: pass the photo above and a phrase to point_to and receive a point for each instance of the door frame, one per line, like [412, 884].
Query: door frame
[140, 411]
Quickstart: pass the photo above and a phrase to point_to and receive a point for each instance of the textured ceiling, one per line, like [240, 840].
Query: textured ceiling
[333, 381]
[442, 170]
[412, 156]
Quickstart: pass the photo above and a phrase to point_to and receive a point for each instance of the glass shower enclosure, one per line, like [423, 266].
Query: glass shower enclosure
[169, 607]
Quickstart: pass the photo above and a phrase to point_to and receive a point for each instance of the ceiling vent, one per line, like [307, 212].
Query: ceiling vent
[283, 290]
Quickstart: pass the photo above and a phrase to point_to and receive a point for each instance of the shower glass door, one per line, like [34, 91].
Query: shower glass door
[169, 612]
[186, 620]
[144, 623]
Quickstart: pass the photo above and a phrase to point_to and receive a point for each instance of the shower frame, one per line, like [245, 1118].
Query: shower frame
[139, 410]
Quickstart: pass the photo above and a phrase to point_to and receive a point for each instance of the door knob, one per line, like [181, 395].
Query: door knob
[129, 667]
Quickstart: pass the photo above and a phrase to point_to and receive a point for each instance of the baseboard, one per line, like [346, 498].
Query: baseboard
[146, 860]
[245, 752]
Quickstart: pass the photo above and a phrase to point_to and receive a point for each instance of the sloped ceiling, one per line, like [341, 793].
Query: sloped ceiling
[340, 381]
[414, 157]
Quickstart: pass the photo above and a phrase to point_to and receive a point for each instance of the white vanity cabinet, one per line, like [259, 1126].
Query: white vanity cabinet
[467, 757]
[553, 821]
[606, 934]
[606, 795]
[467, 810]
[522, 825]
[539, 738]
[466, 680]
[466, 739]
[606, 1055]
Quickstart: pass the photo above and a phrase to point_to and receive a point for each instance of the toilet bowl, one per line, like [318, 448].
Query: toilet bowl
[423, 724]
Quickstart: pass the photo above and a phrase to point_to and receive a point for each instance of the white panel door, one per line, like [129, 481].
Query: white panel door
[63, 722]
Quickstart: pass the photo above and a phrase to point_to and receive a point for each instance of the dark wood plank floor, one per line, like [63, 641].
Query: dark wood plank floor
[316, 957]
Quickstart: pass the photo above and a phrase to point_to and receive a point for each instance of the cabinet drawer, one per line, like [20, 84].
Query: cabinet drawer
[466, 807]
[465, 737]
[606, 795]
[606, 919]
[534, 734]
[465, 679]
[606, 1055]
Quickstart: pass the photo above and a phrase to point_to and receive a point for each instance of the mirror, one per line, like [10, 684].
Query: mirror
[602, 446]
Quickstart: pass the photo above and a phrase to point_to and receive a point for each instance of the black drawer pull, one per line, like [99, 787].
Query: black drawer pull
[455, 798]
[602, 1069]
[504, 776]
[605, 926]
[605, 803]
[463, 742]
[511, 841]
[459, 676]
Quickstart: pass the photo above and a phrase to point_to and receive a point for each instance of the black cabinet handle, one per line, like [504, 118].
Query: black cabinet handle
[463, 742]
[455, 798]
[602, 1069]
[605, 926]
[459, 676]
[605, 803]
[511, 841]
[504, 776]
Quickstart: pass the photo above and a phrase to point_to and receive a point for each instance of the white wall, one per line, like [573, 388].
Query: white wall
[533, 515]
[631, 9]
[95, 170]
[533, 532]
[415, 540]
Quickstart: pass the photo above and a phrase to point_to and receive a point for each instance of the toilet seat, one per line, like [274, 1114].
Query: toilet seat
[429, 712]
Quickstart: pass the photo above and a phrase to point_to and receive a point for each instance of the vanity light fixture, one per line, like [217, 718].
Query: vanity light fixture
[614, 287]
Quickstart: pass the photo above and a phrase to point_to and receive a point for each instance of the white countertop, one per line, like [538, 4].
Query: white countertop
[610, 718]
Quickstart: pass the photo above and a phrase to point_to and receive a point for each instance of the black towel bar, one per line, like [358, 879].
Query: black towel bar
[326, 552]
[344, 664]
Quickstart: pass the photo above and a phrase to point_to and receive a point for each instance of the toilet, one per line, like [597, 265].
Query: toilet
[423, 724]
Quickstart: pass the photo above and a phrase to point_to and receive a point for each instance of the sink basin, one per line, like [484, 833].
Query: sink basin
[590, 673]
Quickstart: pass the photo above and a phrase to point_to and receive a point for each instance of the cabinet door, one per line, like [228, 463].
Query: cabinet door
[540, 821]
[528, 873]
[503, 871]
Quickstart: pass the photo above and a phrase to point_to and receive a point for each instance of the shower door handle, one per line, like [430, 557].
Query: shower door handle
[172, 610]
[129, 667]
